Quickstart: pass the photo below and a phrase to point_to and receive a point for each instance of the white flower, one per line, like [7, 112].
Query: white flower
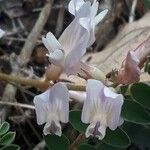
[2, 33]
[67, 51]
[101, 109]
[74, 7]
[51, 107]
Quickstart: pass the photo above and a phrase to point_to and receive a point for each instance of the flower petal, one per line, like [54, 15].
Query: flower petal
[75, 32]
[56, 57]
[50, 42]
[100, 16]
[94, 8]
[93, 101]
[59, 99]
[102, 131]
[96, 130]
[89, 130]
[74, 6]
[2, 33]
[112, 106]
[130, 71]
[41, 103]
[52, 127]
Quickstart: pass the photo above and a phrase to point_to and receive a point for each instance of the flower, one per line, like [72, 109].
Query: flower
[51, 107]
[67, 51]
[74, 7]
[101, 109]
[2, 33]
[130, 71]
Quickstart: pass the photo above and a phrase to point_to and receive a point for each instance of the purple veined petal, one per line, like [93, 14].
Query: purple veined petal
[59, 100]
[2, 33]
[73, 33]
[52, 127]
[112, 106]
[41, 103]
[74, 6]
[77, 95]
[100, 16]
[56, 57]
[93, 101]
[50, 42]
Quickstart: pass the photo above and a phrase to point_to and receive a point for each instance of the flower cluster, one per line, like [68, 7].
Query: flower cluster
[67, 51]
[101, 106]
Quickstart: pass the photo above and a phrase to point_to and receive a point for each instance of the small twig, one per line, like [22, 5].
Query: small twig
[24, 81]
[35, 33]
[17, 105]
[132, 12]
[77, 141]
[60, 21]
[37, 83]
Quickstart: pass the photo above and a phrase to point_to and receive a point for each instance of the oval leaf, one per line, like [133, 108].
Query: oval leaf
[4, 127]
[11, 147]
[117, 138]
[134, 112]
[86, 147]
[75, 120]
[7, 138]
[139, 134]
[141, 93]
[104, 146]
[55, 142]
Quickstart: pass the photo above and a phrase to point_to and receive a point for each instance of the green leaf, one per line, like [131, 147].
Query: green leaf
[139, 134]
[104, 146]
[55, 142]
[7, 138]
[148, 68]
[86, 147]
[141, 93]
[11, 147]
[117, 138]
[4, 127]
[75, 120]
[146, 4]
[134, 112]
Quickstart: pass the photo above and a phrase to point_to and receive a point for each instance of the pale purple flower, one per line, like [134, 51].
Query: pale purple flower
[2, 33]
[101, 109]
[52, 107]
[130, 71]
[74, 7]
[67, 51]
